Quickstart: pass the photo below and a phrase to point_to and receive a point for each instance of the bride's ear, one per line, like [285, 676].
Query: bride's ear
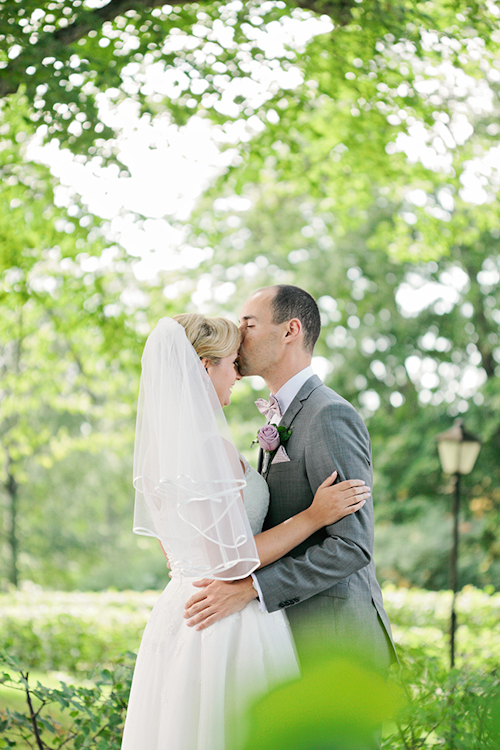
[205, 362]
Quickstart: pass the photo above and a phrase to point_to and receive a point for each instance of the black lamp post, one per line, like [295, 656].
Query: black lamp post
[458, 451]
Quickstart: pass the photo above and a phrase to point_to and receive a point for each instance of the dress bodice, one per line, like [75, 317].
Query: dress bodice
[255, 496]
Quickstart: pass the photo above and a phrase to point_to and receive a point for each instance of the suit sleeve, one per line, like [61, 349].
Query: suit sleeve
[337, 439]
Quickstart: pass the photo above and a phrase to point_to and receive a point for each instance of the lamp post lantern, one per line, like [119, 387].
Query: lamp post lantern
[458, 451]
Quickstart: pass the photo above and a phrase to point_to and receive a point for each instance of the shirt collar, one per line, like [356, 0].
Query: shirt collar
[289, 390]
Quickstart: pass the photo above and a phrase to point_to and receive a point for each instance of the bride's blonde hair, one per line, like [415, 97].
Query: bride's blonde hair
[213, 338]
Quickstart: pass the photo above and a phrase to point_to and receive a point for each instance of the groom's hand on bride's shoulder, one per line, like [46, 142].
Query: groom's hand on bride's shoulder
[217, 599]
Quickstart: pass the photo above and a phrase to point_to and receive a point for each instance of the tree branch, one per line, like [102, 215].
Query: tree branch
[12, 488]
[40, 744]
[57, 323]
[338, 10]
[12, 76]
[92, 19]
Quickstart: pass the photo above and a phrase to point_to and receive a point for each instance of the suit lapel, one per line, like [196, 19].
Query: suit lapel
[290, 414]
[297, 403]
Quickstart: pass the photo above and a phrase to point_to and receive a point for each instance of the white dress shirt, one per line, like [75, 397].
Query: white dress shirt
[287, 392]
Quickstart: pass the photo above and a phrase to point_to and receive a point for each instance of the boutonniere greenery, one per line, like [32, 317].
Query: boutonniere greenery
[271, 436]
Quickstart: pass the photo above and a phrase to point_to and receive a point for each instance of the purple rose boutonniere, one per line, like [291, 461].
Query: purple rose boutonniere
[271, 436]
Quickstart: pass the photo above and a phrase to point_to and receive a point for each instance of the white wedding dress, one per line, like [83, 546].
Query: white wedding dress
[189, 685]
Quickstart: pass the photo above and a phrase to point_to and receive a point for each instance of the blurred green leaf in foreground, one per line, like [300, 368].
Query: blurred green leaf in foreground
[338, 704]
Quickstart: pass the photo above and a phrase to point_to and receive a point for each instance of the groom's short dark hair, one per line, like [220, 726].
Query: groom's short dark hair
[293, 302]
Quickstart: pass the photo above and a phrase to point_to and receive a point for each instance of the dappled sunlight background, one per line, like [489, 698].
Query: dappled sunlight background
[176, 158]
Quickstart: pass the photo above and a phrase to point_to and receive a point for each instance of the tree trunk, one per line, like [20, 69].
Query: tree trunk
[12, 488]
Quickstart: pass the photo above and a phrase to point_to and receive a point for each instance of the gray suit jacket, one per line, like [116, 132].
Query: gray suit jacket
[335, 562]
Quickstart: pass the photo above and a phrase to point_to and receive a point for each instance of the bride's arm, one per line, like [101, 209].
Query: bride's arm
[330, 504]
[217, 599]
[164, 553]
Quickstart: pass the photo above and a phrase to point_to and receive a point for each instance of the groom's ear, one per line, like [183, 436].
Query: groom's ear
[294, 328]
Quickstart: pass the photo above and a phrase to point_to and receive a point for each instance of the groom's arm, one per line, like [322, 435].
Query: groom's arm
[338, 439]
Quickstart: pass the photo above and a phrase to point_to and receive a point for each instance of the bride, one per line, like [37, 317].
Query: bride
[189, 685]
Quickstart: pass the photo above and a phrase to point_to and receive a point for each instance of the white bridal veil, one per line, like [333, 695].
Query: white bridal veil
[187, 473]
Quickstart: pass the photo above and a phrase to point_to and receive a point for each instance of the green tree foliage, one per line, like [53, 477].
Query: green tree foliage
[72, 327]
[360, 70]
[325, 95]
[380, 189]
[411, 345]
[69, 348]
[355, 148]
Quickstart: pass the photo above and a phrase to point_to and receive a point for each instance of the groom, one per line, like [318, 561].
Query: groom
[327, 584]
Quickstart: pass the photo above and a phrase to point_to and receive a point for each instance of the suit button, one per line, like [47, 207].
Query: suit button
[282, 604]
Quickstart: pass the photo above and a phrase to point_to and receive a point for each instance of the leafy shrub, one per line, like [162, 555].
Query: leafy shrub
[71, 632]
[451, 710]
[74, 631]
[95, 713]
[445, 708]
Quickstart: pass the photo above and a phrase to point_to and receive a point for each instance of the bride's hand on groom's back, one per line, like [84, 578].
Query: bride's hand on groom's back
[334, 501]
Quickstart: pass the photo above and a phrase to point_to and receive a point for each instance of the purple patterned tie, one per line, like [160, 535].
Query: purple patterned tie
[268, 408]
